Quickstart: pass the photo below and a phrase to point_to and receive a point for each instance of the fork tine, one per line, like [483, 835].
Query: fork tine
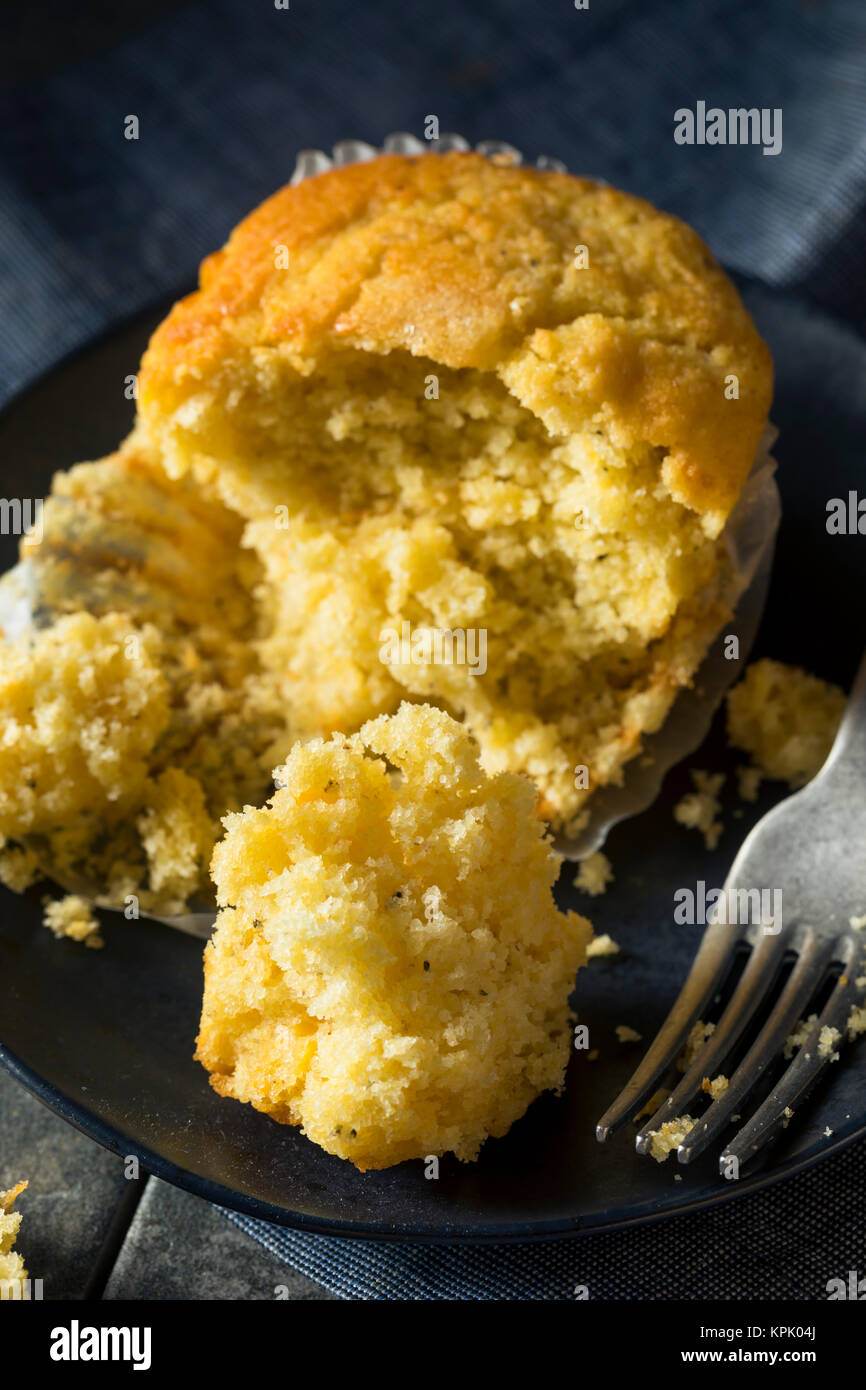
[761, 968]
[801, 1075]
[811, 967]
[709, 968]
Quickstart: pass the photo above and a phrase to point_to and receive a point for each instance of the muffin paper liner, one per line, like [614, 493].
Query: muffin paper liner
[749, 536]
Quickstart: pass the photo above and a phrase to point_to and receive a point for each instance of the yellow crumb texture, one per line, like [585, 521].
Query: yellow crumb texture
[856, 1023]
[785, 719]
[11, 1263]
[827, 1041]
[426, 413]
[798, 1036]
[133, 721]
[72, 917]
[699, 810]
[716, 1087]
[389, 969]
[602, 946]
[594, 874]
[669, 1137]
[398, 403]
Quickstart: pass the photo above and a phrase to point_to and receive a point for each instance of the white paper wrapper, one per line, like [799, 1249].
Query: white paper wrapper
[750, 537]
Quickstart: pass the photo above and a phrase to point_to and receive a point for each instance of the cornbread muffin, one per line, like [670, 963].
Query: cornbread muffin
[389, 970]
[133, 712]
[11, 1263]
[785, 719]
[447, 396]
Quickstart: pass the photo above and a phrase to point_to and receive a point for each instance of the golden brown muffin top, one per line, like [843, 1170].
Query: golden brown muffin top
[469, 263]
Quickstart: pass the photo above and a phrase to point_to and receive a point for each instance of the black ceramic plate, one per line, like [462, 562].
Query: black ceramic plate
[106, 1037]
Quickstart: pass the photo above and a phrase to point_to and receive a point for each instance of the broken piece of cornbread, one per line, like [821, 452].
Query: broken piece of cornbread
[449, 396]
[133, 713]
[785, 719]
[11, 1263]
[389, 969]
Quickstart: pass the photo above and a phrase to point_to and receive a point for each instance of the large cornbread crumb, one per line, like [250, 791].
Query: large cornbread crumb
[785, 719]
[389, 970]
[827, 1041]
[11, 1263]
[663, 1141]
[433, 418]
[73, 917]
[135, 718]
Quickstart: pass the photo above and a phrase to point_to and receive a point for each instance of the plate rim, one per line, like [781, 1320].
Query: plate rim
[109, 1137]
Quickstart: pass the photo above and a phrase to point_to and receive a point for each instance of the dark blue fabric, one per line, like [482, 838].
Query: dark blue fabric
[94, 226]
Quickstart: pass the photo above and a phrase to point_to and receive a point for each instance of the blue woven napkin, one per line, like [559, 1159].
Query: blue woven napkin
[94, 226]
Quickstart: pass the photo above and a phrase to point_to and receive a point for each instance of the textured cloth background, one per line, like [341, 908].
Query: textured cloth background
[94, 227]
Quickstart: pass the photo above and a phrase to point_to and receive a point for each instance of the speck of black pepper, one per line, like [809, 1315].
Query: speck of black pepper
[353, 1134]
[484, 992]
[426, 965]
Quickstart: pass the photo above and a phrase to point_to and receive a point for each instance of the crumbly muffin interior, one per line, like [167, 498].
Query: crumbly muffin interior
[389, 969]
[133, 713]
[370, 506]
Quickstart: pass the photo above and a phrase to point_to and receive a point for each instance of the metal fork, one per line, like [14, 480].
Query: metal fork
[812, 847]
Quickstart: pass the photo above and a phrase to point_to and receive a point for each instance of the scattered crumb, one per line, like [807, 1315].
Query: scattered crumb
[857, 923]
[827, 1132]
[748, 782]
[860, 982]
[789, 1115]
[799, 1035]
[785, 719]
[694, 1042]
[716, 1087]
[827, 1040]
[11, 1263]
[672, 1133]
[698, 810]
[594, 874]
[856, 1020]
[602, 946]
[73, 917]
[626, 1034]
